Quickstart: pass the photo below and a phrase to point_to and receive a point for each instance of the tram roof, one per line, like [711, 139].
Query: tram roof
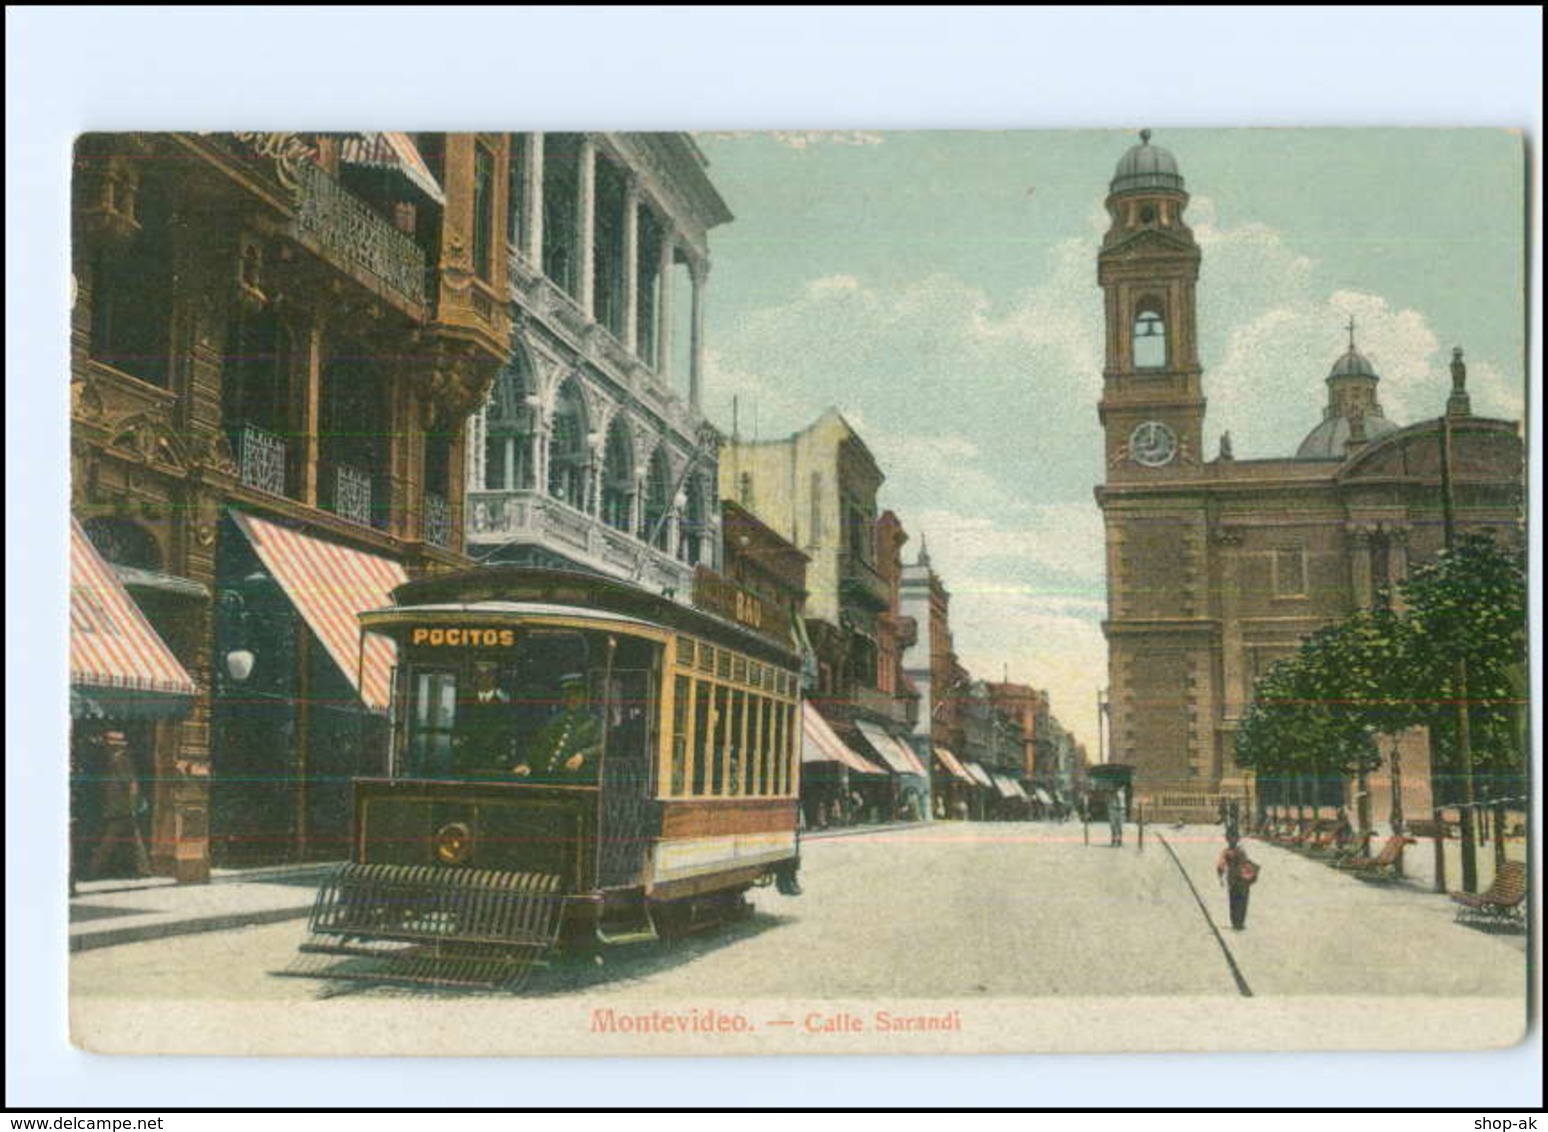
[501, 608]
[509, 590]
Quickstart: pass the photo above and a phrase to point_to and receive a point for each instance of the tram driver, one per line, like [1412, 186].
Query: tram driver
[568, 748]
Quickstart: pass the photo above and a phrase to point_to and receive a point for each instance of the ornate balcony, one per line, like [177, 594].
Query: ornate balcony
[352, 494]
[497, 518]
[345, 226]
[859, 582]
[261, 459]
[437, 520]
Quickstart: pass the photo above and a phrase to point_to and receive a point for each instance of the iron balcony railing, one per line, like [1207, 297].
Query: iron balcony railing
[437, 519]
[352, 494]
[347, 227]
[261, 459]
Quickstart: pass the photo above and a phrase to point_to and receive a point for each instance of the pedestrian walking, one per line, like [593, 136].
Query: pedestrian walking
[120, 849]
[1238, 872]
[1115, 817]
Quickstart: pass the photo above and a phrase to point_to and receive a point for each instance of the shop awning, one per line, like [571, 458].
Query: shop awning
[896, 753]
[119, 666]
[1005, 786]
[819, 744]
[953, 764]
[1042, 796]
[329, 586]
[980, 775]
[395, 152]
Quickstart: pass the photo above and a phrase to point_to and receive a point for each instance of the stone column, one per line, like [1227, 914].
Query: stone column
[637, 503]
[631, 265]
[699, 271]
[596, 446]
[1360, 564]
[1397, 563]
[310, 404]
[664, 311]
[533, 237]
[586, 214]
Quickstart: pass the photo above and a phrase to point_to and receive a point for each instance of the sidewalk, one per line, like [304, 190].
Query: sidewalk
[1314, 930]
[110, 912]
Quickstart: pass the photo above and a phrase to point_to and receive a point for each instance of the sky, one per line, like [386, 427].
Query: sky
[939, 288]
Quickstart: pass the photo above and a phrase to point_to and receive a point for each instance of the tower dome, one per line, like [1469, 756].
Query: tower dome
[1146, 167]
[1353, 413]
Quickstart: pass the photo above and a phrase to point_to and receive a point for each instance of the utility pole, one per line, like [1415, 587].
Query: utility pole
[1459, 693]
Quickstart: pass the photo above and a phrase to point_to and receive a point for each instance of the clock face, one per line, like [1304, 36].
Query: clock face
[1152, 444]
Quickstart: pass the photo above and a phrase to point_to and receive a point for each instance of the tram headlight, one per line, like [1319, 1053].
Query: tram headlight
[453, 843]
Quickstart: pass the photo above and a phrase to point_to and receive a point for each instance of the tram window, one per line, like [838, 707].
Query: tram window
[719, 747]
[433, 715]
[703, 739]
[766, 745]
[682, 693]
[787, 749]
[777, 746]
[734, 746]
[685, 651]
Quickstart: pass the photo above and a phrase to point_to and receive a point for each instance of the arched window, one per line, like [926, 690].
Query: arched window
[508, 430]
[658, 500]
[1149, 339]
[567, 449]
[618, 476]
[695, 540]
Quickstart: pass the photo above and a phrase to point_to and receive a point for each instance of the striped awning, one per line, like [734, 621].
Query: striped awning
[330, 585]
[392, 151]
[819, 744]
[953, 764]
[897, 754]
[112, 646]
[980, 775]
[1042, 796]
[1008, 787]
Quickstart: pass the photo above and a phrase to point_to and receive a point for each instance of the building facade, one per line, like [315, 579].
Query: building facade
[817, 489]
[275, 341]
[1219, 567]
[592, 451]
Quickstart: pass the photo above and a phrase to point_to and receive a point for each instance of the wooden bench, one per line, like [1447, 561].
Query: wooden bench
[1386, 865]
[1504, 899]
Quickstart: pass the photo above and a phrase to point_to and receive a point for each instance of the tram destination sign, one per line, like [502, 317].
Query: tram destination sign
[715, 593]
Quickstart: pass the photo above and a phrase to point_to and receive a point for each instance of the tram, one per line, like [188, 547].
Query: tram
[574, 762]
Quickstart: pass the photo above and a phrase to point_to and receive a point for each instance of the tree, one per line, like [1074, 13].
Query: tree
[1469, 605]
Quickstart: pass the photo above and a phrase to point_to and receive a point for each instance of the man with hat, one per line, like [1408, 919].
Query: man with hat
[120, 849]
[568, 749]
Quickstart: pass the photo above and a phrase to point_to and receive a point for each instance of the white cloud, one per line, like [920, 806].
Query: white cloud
[800, 139]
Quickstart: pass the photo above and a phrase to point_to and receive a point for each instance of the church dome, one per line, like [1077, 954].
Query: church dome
[1328, 440]
[1352, 364]
[1146, 166]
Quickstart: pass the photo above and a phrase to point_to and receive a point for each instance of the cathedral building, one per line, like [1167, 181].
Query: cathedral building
[1219, 567]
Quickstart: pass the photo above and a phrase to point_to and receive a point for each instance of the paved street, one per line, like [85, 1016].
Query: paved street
[964, 913]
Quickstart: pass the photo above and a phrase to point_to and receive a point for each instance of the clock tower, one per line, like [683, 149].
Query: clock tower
[1162, 641]
[1152, 408]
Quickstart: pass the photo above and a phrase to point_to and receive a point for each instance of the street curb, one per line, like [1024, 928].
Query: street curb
[856, 831]
[139, 933]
